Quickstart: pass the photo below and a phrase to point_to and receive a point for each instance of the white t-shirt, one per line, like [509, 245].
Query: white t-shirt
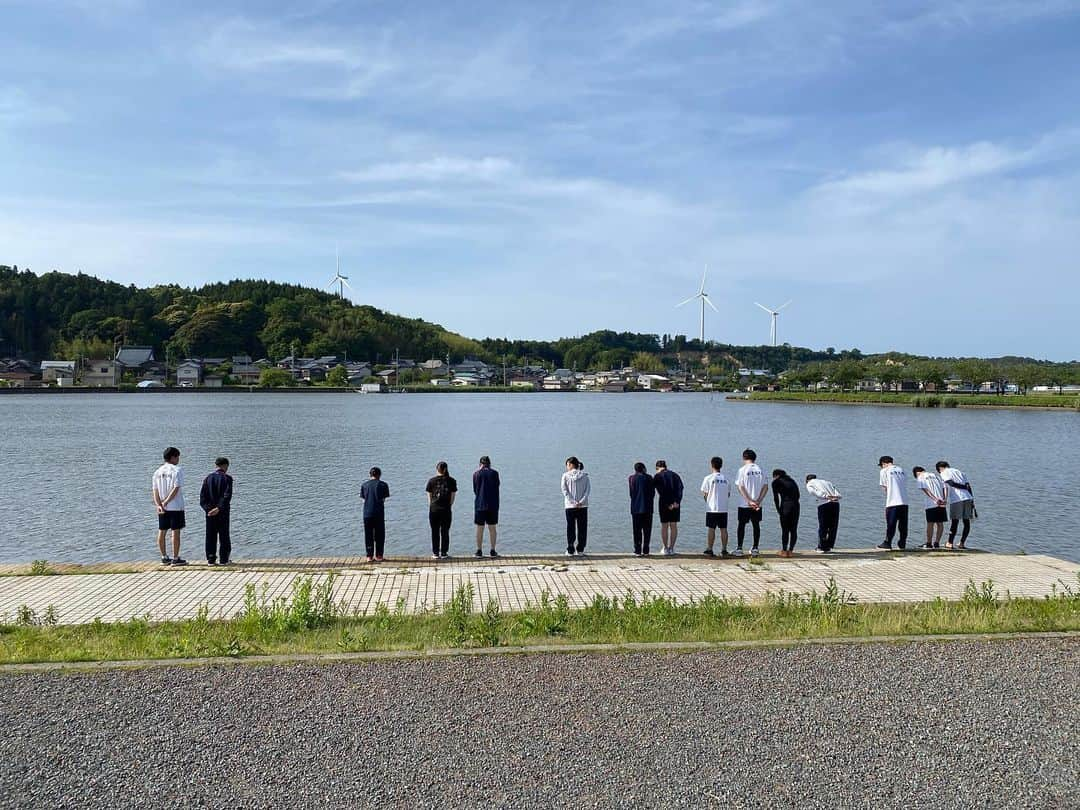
[752, 479]
[166, 477]
[823, 490]
[894, 480]
[933, 488]
[955, 495]
[716, 490]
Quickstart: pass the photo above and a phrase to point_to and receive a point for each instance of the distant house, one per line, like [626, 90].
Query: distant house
[213, 381]
[523, 382]
[554, 382]
[469, 379]
[652, 382]
[615, 387]
[440, 382]
[134, 357]
[101, 374]
[18, 372]
[244, 371]
[434, 367]
[189, 374]
[54, 370]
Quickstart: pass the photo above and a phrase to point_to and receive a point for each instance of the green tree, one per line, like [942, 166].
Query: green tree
[847, 373]
[275, 378]
[337, 377]
[647, 363]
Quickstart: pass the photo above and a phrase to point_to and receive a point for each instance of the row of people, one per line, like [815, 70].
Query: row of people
[661, 492]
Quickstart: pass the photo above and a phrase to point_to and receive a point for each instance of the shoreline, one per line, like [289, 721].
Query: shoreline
[960, 404]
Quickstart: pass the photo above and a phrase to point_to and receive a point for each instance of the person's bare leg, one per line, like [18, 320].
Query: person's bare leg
[663, 534]
[176, 543]
[723, 539]
[930, 534]
[711, 539]
[161, 542]
[492, 534]
[940, 531]
[480, 538]
[674, 535]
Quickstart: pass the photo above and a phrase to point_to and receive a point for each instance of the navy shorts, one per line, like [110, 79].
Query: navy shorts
[716, 520]
[173, 521]
[486, 517]
[936, 514]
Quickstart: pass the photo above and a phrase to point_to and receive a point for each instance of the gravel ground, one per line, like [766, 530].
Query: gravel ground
[950, 725]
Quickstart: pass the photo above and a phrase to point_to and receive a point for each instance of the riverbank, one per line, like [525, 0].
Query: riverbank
[1053, 402]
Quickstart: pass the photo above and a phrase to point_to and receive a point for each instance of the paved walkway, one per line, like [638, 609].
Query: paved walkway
[163, 593]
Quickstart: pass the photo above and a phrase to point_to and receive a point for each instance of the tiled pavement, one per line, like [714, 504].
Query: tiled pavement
[119, 591]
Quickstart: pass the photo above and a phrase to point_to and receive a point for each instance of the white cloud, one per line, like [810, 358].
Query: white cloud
[435, 169]
[17, 107]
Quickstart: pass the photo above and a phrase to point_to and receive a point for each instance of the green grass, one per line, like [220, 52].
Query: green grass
[924, 400]
[310, 622]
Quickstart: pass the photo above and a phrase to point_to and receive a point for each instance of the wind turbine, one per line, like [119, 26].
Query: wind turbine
[704, 296]
[774, 313]
[340, 280]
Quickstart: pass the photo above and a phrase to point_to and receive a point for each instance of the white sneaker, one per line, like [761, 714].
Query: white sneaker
[737, 552]
[569, 554]
[754, 552]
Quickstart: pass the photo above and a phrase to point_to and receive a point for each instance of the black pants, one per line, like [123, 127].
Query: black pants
[954, 525]
[374, 535]
[217, 538]
[896, 519]
[642, 532]
[440, 531]
[577, 528]
[753, 517]
[789, 526]
[828, 520]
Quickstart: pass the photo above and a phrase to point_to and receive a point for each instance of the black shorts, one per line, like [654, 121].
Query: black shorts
[746, 514]
[716, 520]
[170, 521]
[670, 515]
[486, 517]
[936, 514]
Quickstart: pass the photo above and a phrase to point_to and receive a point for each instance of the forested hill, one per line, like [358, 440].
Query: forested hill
[63, 315]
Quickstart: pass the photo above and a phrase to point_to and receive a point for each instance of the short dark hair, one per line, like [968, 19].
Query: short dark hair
[485, 461]
[661, 464]
[716, 462]
[639, 467]
[810, 476]
[941, 465]
[749, 455]
[573, 461]
[441, 468]
[916, 470]
[778, 473]
[375, 472]
[884, 460]
[221, 461]
[170, 452]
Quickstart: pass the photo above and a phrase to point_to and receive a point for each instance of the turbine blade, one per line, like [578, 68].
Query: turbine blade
[347, 284]
[702, 290]
[782, 306]
[764, 307]
[687, 301]
[710, 303]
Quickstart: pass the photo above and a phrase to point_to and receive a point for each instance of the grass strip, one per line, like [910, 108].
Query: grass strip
[309, 622]
[1066, 401]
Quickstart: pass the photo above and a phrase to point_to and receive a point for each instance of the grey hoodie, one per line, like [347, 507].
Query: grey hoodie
[575, 489]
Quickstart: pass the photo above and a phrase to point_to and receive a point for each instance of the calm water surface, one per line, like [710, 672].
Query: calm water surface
[75, 469]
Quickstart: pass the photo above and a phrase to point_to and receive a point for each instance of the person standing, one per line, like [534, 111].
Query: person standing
[933, 489]
[215, 498]
[750, 482]
[485, 486]
[575, 491]
[716, 491]
[961, 501]
[374, 493]
[669, 492]
[642, 492]
[786, 499]
[828, 511]
[441, 491]
[893, 483]
[168, 491]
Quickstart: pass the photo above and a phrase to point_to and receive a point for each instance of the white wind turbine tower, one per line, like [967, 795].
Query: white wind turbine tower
[704, 296]
[774, 313]
[340, 280]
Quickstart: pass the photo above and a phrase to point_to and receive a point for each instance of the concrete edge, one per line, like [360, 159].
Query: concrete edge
[376, 656]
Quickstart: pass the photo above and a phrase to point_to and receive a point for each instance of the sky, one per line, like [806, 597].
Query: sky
[907, 173]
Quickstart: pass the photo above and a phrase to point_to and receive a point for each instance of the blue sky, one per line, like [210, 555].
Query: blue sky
[907, 172]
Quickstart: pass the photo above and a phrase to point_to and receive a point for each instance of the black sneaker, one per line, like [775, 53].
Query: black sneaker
[179, 561]
[902, 545]
[226, 562]
[166, 561]
[478, 553]
[211, 562]
[708, 552]
[725, 554]
[493, 553]
[886, 546]
[445, 555]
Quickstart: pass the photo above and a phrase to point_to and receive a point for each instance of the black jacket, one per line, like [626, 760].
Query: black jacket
[785, 494]
[216, 491]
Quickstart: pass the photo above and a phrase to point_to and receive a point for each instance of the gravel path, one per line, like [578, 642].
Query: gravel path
[950, 725]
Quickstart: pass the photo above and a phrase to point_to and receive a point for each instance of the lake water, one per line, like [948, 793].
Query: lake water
[75, 469]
